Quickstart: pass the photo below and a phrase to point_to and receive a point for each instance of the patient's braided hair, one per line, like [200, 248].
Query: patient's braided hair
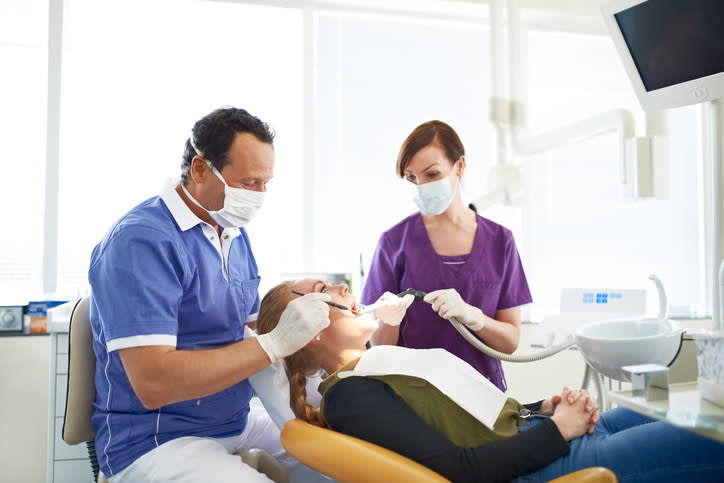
[300, 364]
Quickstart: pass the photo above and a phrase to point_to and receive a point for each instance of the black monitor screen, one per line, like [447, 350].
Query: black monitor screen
[674, 41]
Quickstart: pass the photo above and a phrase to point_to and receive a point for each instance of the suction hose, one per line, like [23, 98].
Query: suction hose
[480, 345]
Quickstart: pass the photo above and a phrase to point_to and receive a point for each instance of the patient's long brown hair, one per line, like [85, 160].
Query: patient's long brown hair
[300, 364]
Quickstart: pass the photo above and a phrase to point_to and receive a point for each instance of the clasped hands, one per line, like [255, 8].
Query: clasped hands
[575, 412]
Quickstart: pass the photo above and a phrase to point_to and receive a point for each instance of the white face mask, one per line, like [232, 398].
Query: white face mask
[240, 205]
[434, 197]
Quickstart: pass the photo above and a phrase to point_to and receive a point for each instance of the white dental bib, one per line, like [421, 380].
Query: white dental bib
[452, 376]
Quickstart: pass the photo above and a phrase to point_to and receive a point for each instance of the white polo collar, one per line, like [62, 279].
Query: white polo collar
[182, 214]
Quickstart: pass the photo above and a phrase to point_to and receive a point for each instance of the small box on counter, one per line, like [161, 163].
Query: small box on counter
[37, 315]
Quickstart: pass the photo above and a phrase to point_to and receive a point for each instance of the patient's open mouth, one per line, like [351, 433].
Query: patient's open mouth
[355, 310]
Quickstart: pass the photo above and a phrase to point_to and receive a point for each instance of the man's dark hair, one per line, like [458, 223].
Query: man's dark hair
[213, 134]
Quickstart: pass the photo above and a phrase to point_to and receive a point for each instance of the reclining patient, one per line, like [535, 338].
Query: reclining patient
[535, 442]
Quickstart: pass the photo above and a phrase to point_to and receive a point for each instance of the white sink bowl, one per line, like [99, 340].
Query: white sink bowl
[610, 344]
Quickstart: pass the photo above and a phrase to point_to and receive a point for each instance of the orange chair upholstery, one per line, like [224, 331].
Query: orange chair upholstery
[347, 459]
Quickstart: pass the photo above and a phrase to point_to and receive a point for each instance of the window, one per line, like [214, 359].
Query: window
[134, 82]
[377, 79]
[23, 87]
[133, 85]
[580, 231]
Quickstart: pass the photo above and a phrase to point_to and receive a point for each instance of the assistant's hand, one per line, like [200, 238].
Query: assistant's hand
[448, 303]
[393, 308]
[302, 319]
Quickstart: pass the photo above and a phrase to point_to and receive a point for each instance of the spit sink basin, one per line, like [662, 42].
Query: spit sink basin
[608, 345]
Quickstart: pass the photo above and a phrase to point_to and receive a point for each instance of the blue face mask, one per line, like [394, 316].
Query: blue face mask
[434, 197]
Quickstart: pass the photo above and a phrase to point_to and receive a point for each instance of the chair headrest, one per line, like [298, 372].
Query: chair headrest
[271, 385]
[77, 426]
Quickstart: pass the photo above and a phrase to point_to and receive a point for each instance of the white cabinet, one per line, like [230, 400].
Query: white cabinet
[66, 464]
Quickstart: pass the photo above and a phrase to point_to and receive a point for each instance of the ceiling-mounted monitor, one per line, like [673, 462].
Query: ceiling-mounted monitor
[672, 50]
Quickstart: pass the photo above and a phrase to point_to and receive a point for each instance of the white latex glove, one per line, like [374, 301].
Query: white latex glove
[392, 308]
[302, 319]
[448, 303]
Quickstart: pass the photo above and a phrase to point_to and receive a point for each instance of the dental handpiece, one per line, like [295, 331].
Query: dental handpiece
[369, 308]
[419, 295]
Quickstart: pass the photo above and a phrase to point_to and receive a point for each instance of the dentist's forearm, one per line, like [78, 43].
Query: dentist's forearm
[162, 375]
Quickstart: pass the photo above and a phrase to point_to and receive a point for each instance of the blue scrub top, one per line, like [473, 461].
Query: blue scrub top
[161, 277]
[490, 277]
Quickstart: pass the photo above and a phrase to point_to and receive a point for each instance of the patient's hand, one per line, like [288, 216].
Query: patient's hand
[575, 413]
[591, 404]
[548, 406]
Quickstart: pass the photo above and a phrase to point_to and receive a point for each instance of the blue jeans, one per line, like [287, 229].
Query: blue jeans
[638, 448]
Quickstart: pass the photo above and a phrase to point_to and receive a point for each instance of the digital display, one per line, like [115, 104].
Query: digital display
[674, 41]
[600, 297]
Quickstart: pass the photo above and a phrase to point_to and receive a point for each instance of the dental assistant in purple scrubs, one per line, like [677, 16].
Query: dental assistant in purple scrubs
[468, 265]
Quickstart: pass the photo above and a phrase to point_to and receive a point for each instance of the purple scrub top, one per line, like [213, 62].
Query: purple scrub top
[490, 277]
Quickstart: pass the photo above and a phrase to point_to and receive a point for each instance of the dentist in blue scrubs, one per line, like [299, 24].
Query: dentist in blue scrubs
[173, 282]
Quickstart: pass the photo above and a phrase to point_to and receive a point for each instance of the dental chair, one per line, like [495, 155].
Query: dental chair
[347, 459]
[351, 460]
[77, 426]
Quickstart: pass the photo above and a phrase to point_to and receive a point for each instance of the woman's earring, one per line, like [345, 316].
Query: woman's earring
[318, 338]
